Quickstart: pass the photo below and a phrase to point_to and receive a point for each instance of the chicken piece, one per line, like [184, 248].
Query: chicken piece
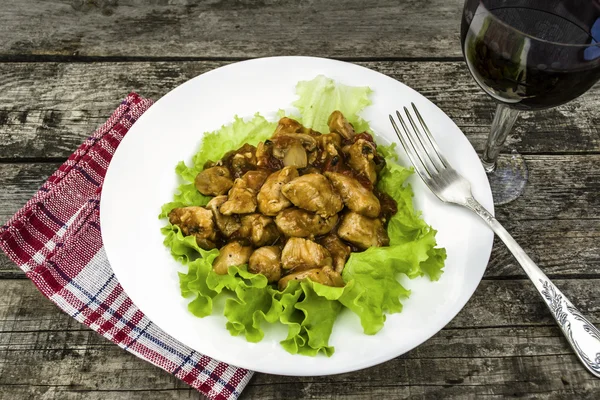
[270, 199]
[363, 232]
[301, 254]
[360, 157]
[197, 221]
[230, 255]
[259, 229]
[241, 200]
[266, 261]
[354, 195]
[313, 192]
[324, 276]
[339, 251]
[242, 196]
[213, 181]
[227, 224]
[301, 223]
[337, 123]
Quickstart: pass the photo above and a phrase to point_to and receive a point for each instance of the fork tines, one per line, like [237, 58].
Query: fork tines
[421, 148]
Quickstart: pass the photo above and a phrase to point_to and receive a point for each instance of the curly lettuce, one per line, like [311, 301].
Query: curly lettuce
[308, 309]
[321, 96]
[215, 145]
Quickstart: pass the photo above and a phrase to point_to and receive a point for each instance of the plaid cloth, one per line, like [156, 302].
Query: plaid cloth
[55, 239]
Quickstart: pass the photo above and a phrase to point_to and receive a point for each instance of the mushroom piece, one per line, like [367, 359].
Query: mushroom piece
[292, 148]
[339, 124]
[289, 125]
[291, 142]
[325, 142]
[295, 156]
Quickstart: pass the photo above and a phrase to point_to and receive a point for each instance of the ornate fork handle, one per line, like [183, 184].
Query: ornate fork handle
[583, 337]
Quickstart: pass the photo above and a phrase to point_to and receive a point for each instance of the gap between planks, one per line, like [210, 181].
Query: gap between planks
[26, 58]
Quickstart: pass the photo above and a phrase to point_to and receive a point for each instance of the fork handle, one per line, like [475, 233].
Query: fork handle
[583, 337]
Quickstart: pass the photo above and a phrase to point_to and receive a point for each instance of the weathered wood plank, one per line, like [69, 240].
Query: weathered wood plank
[449, 343]
[78, 371]
[55, 392]
[179, 28]
[45, 352]
[496, 303]
[556, 220]
[48, 109]
[559, 187]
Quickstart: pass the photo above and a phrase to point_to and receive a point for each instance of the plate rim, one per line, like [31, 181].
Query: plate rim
[374, 361]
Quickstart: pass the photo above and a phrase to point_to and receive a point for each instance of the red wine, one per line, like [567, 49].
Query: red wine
[529, 58]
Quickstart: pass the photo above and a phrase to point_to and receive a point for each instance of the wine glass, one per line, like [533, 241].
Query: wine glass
[527, 55]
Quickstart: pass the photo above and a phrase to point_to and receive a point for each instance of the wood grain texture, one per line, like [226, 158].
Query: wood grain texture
[557, 220]
[496, 303]
[503, 344]
[48, 109]
[230, 28]
[513, 349]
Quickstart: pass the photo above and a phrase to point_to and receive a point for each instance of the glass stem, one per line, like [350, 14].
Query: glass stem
[504, 119]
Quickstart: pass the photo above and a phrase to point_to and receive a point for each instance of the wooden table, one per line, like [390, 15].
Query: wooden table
[65, 65]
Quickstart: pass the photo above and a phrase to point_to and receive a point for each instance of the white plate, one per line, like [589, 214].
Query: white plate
[141, 178]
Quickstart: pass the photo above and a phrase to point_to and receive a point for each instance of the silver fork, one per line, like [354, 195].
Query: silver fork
[451, 187]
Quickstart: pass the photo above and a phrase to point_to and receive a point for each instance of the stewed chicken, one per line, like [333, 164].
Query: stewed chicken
[295, 206]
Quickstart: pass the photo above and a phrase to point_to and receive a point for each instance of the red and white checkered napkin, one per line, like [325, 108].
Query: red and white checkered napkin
[55, 238]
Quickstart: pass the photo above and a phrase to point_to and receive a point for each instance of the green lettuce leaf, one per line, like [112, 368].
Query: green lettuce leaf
[321, 96]
[230, 137]
[407, 224]
[252, 305]
[310, 321]
[434, 265]
[374, 272]
[184, 248]
[214, 146]
[199, 262]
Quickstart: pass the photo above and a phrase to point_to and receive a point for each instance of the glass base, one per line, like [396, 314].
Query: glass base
[507, 178]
